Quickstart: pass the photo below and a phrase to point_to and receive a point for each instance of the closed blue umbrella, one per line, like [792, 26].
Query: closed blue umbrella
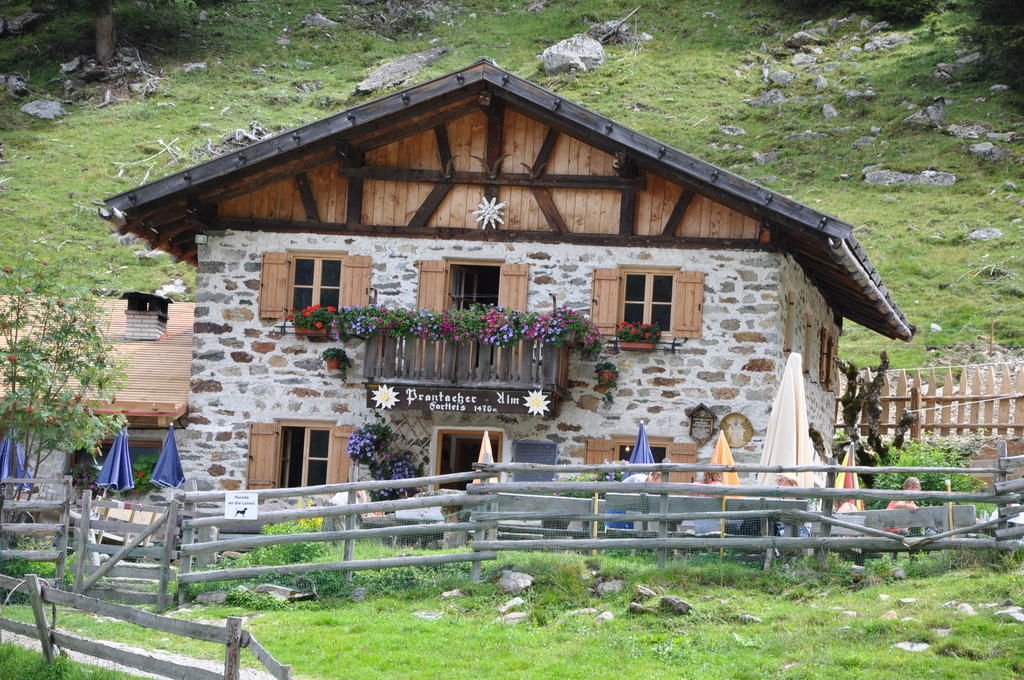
[167, 471]
[117, 472]
[641, 454]
[21, 468]
[5, 458]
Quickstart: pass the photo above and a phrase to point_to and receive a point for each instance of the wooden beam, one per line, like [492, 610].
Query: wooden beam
[597, 182]
[429, 205]
[239, 186]
[495, 142]
[627, 211]
[392, 134]
[544, 154]
[308, 202]
[549, 209]
[444, 149]
[170, 232]
[678, 212]
[353, 158]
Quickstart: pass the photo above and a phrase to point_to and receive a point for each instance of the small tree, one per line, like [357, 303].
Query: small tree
[55, 364]
[863, 396]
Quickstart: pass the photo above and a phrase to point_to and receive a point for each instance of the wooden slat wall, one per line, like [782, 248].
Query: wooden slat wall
[584, 211]
[988, 397]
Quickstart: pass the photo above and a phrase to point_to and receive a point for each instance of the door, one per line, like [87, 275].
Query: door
[457, 450]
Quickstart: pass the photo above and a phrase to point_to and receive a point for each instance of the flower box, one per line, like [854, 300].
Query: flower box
[637, 346]
[311, 332]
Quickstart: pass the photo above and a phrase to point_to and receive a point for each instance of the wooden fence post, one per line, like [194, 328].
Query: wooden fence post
[1001, 477]
[663, 530]
[351, 521]
[915, 410]
[188, 536]
[63, 537]
[170, 543]
[826, 510]
[35, 592]
[233, 648]
[82, 540]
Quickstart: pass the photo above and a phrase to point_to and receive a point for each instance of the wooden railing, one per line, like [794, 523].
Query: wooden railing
[416, 361]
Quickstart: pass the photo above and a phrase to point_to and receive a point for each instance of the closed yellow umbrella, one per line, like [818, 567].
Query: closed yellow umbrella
[723, 456]
[485, 455]
[849, 480]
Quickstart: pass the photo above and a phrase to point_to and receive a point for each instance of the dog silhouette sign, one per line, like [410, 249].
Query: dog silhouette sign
[241, 505]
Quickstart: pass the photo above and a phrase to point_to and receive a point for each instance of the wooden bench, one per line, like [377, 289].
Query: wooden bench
[927, 517]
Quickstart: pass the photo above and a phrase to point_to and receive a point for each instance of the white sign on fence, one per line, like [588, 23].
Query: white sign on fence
[241, 504]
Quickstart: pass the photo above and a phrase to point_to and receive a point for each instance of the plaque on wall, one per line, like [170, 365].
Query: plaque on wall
[702, 423]
[737, 428]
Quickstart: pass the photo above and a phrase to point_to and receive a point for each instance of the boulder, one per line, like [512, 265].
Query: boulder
[971, 59]
[194, 66]
[514, 582]
[750, 618]
[766, 157]
[732, 130]
[999, 88]
[15, 85]
[645, 591]
[927, 177]
[769, 98]
[985, 234]
[578, 53]
[801, 38]
[853, 95]
[604, 617]
[930, 116]
[861, 142]
[71, 66]
[819, 82]
[612, 586]
[966, 609]
[637, 608]
[428, 616]
[989, 152]
[806, 134]
[283, 594]
[212, 597]
[581, 612]
[1012, 613]
[317, 19]
[451, 593]
[675, 605]
[513, 618]
[912, 646]
[43, 108]
[511, 604]
[399, 71]
[782, 77]
[886, 42]
[358, 594]
[801, 59]
[971, 131]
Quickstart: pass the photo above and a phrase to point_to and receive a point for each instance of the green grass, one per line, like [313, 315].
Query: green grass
[680, 87]
[17, 663]
[805, 631]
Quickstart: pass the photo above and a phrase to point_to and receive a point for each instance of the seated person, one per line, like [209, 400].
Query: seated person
[638, 477]
[787, 480]
[909, 484]
[847, 506]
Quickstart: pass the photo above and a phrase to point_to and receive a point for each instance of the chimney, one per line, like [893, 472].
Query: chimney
[145, 317]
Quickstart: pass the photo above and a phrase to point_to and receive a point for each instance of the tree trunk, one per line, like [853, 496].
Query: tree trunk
[105, 35]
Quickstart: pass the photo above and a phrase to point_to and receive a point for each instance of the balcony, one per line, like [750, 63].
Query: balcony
[526, 365]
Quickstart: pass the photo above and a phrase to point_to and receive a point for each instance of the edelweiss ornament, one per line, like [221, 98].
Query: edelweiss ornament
[536, 403]
[489, 213]
[385, 397]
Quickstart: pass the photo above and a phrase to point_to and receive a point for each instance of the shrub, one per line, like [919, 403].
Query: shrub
[928, 454]
[293, 553]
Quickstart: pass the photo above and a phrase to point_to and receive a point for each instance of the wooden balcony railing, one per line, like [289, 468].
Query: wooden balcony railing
[415, 361]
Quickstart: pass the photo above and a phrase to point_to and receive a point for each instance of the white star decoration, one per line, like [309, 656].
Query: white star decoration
[536, 403]
[489, 213]
[385, 397]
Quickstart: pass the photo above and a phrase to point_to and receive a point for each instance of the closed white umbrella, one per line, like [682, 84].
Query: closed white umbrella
[788, 441]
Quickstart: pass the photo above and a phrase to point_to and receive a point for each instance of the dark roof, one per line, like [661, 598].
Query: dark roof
[165, 213]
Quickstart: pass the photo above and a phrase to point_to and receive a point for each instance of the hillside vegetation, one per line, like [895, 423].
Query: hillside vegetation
[706, 61]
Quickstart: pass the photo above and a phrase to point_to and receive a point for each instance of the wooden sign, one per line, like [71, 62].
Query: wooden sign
[702, 423]
[454, 399]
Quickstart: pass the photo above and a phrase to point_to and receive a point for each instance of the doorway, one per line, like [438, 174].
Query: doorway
[457, 450]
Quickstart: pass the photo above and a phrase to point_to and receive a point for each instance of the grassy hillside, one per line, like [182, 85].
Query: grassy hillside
[705, 59]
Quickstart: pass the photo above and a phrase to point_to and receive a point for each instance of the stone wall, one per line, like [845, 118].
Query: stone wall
[246, 371]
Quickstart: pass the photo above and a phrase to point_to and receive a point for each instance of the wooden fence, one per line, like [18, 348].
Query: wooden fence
[20, 518]
[232, 636]
[986, 397]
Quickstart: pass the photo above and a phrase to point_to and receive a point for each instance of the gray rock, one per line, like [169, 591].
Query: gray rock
[428, 616]
[985, 234]
[451, 593]
[283, 594]
[399, 71]
[806, 134]
[43, 108]
[581, 612]
[511, 604]
[819, 82]
[358, 594]
[676, 605]
[613, 586]
[212, 597]
[194, 66]
[801, 59]
[645, 591]
[829, 111]
[514, 582]
[886, 42]
[972, 131]
[898, 573]
[604, 617]
[936, 327]
[999, 88]
[971, 59]
[800, 39]
[766, 157]
[732, 130]
[782, 77]
[637, 608]
[579, 53]
[966, 609]
[852, 95]
[930, 116]
[71, 66]
[866, 140]
[912, 646]
[769, 98]
[1001, 136]
[15, 85]
[750, 618]
[989, 152]
[1012, 613]
[317, 19]
[175, 287]
[513, 618]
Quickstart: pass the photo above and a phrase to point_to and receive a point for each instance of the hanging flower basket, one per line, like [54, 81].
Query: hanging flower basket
[605, 378]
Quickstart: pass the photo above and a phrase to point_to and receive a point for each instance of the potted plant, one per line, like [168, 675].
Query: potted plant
[314, 321]
[607, 373]
[337, 360]
[638, 336]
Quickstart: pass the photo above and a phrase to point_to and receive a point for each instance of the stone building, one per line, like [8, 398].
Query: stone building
[380, 204]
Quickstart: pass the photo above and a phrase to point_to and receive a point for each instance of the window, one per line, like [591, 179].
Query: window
[458, 285]
[304, 456]
[647, 298]
[672, 299]
[665, 450]
[471, 285]
[626, 450]
[316, 281]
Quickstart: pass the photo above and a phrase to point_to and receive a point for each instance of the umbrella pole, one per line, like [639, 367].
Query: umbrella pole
[721, 551]
[949, 507]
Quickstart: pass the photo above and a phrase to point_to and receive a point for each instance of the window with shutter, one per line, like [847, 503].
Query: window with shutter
[274, 285]
[355, 287]
[688, 304]
[543, 453]
[433, 290]
[683, 453]
[264, 456]
[316, 280]
[604, 310]
[338, 462]
[599, 451]
[672, 300]
[513, 286]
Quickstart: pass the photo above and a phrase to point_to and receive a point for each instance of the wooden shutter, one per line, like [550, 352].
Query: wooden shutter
[274, 285]
[598, 451]
[433, 291]
[687, 304]
[264, 456]
[337, 457]
[789, 323]
[544, 453]
[808, 350]
[679, 452]
[513, 286]
[604, 310]
[355, 281]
